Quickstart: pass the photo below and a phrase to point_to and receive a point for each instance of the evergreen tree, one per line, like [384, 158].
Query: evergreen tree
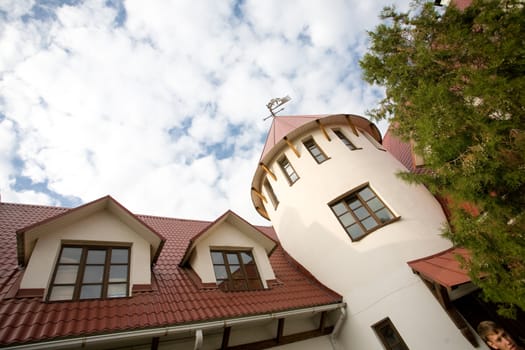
[455, 86]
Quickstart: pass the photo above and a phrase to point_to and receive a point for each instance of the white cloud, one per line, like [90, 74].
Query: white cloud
[164, 111]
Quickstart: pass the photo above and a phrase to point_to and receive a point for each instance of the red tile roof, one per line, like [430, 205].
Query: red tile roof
[282, 125]
[402, 151]
[443, 268]
[174, 300]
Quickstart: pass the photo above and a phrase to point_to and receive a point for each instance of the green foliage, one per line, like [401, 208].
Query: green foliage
[455, 85]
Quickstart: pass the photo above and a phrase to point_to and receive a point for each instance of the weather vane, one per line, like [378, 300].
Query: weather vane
[276, 103]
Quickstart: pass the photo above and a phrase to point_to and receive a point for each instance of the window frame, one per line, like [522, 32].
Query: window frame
[288, 170]
[387, 323]
[354, 195]
[311, 145]
[345, 140]
[83, 264]
[250, 277]
[271, 193]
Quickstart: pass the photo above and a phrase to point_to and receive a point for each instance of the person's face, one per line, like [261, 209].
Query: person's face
[501, 340]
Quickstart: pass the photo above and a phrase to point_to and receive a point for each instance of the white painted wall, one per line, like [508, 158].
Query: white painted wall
[228, 235]
[371, 274]
[99, 227]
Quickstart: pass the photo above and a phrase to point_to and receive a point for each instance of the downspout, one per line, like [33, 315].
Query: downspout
[338, 326]
[198, 339]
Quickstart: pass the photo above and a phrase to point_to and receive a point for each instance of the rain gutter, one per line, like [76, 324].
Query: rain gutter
[198, 328]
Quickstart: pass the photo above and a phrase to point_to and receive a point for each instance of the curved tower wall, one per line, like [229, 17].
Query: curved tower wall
[371, 273]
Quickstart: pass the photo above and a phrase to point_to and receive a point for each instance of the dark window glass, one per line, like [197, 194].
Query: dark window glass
[288, 170]
[87, 272]
[345, 140]
[235, 270]
[315, 151]
[271, 194]
[389, 336]
[361, 212]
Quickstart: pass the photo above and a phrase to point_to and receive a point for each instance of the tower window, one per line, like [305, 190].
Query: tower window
[288, 170]
[362, 212]
[315, 151]
[271, 193]
[345, 140]
[90, 272]
[389, 335]
[235, 270]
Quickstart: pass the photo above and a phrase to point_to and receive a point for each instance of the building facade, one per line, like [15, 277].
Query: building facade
[347, 264]
[332, 194]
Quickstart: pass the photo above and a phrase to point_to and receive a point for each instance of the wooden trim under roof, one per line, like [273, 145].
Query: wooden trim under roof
[323, 130]
[268, 171]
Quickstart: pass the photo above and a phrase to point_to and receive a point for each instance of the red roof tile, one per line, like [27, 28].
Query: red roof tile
[176, 299]
[443, 268]
[402, 151]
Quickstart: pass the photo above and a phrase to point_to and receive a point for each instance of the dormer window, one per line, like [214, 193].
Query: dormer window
[90, 272]
[235, 270]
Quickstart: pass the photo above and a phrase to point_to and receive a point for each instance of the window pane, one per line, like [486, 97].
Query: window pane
[339, 208]
[66, 274]
[361, 213]
[236, 271]
[216, 258]
[93, 274]
[96, 257]
[118, 273]
[354, 203]
[220, 272]
[354, 231]
[366, 193]
[375, 204]
[293, 177]
[246, 257]
[62, 293]
[117, 290]
[70, 255]
[240, 285]
[119, 256]
[369, 223]
[232, 258]
[91, 292]
[347, 219]
[384, 215]
[251, 271]
[315, 151]
[389, 336]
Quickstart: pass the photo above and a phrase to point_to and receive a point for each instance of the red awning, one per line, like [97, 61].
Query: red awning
[443, 267]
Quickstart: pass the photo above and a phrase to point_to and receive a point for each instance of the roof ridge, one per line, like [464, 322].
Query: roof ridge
[37, 205]
[170, 218]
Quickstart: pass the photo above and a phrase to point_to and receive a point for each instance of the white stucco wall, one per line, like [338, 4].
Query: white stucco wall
[99, 227]
[371, 274]
[226, 235]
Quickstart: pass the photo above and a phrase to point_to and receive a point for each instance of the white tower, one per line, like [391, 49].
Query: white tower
[333, 197]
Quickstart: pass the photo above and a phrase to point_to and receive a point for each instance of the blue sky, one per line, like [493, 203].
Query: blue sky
[160, 104]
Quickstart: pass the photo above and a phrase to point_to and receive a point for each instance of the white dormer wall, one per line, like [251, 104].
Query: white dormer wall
[101, 227]
[227, 236]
